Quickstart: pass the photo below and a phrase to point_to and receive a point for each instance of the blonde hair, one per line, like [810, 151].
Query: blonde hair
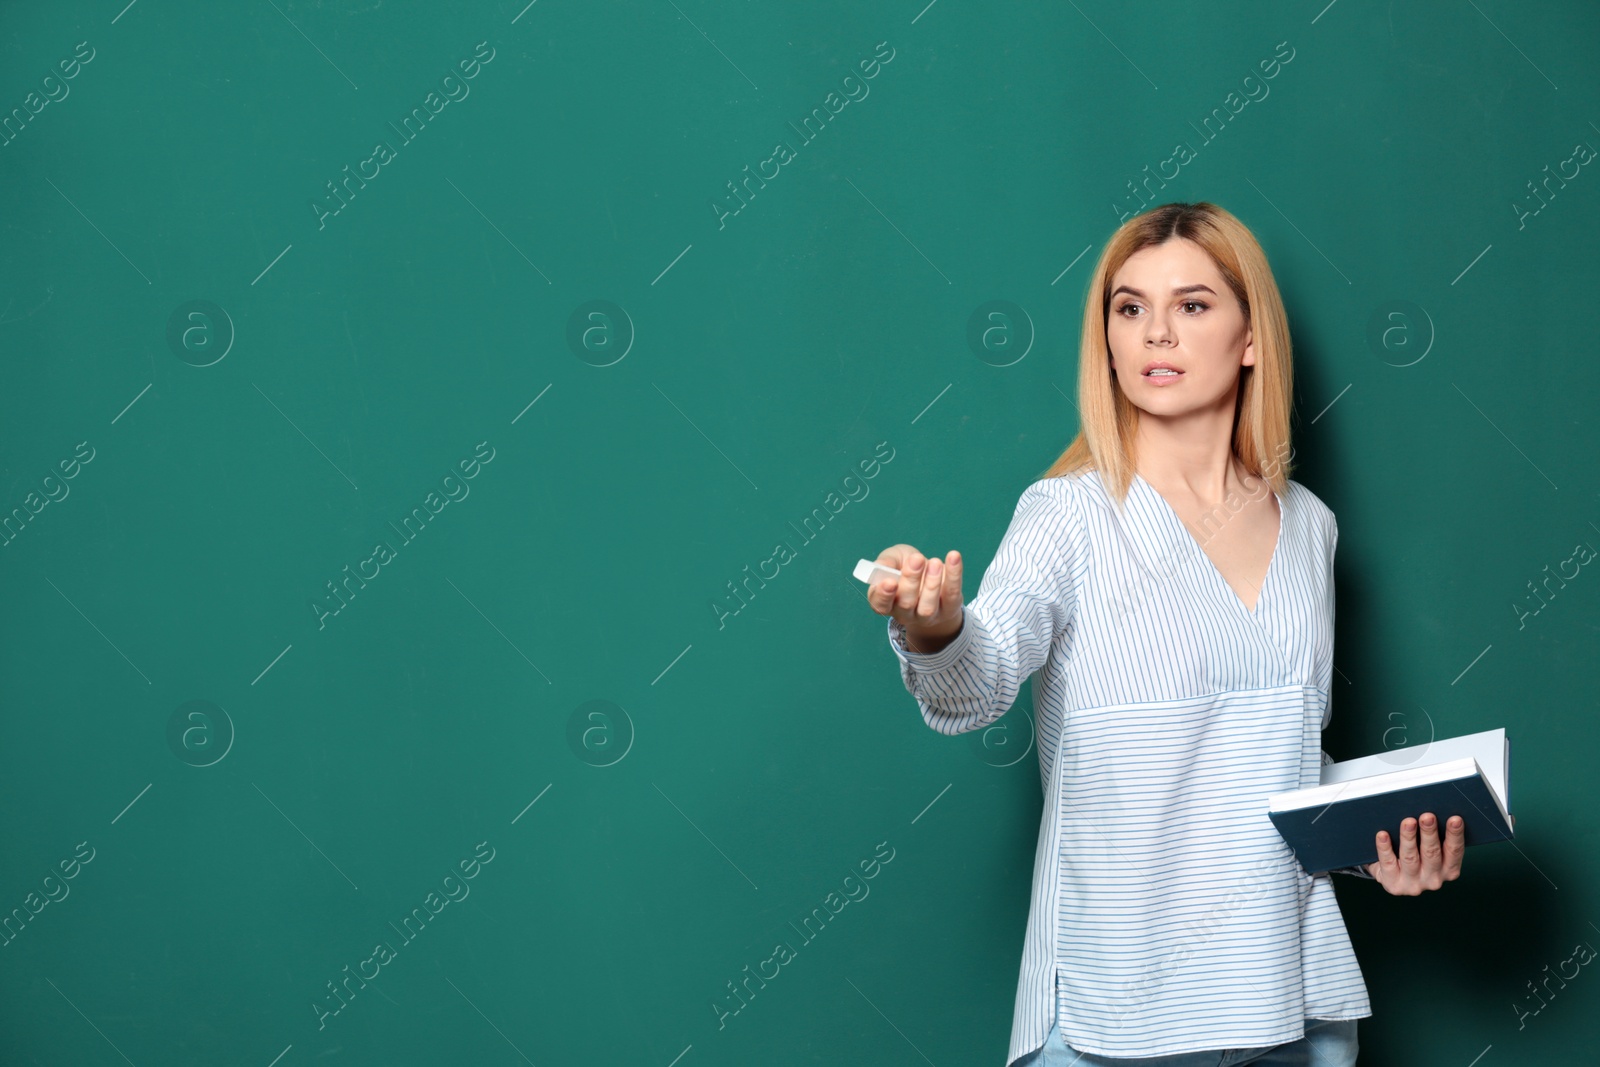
[1108, 419]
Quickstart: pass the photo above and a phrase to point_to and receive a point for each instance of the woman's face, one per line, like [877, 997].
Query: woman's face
[1170, 305]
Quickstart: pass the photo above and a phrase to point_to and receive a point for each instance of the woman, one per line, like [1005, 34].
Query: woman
[1174, 590]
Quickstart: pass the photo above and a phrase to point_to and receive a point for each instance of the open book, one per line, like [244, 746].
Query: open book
[1336, 824]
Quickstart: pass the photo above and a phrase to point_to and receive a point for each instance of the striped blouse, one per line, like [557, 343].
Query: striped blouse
[1167, 914]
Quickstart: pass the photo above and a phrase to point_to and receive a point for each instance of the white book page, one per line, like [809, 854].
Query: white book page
[1369, 785]
[1488, 748]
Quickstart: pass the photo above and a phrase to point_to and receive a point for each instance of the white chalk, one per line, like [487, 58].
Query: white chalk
[869, 571]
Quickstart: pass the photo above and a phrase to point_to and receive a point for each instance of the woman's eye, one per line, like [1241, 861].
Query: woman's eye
[1124, 308]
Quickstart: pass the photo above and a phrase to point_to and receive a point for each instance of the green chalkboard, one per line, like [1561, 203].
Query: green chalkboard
[437, 438]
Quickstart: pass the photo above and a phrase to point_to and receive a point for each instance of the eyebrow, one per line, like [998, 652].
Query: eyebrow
[1176, 292]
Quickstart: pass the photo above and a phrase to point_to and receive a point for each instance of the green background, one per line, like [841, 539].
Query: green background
[746, 755]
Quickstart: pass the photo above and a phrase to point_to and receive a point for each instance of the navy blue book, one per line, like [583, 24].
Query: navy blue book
[1335, 824]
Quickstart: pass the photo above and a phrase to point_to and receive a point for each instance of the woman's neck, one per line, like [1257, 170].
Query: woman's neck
[1201, 465]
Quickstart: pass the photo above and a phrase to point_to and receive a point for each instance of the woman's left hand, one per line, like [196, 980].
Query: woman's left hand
[1415, 869]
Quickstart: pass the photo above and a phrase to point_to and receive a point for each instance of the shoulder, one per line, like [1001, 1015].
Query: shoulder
[1063, 493]
[1312, 506]
[1051, 507]
[1050, 520]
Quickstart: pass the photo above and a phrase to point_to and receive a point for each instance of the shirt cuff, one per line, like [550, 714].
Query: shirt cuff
[1358, 871]
[926, 662]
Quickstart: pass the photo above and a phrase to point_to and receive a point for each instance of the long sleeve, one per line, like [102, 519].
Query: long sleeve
[1333, 548]
[1027, 598]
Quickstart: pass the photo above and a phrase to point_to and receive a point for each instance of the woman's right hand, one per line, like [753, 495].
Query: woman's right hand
[926, 599]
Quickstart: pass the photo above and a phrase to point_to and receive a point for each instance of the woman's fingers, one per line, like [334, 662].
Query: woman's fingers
[1432, 851]
[1386, 860]
[932, 587]
[1455, 847]
[928, 588]
[1408, 845]
[911, 565]
[952, 579]
[1431, 875]
[1416, 870]
[880, 595]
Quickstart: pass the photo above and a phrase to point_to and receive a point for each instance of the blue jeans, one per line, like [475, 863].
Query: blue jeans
[1328, 1043]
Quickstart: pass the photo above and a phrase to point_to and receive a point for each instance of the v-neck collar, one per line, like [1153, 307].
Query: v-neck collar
[1173, 519]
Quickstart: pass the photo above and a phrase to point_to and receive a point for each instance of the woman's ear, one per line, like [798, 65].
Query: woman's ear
[1249, 350]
